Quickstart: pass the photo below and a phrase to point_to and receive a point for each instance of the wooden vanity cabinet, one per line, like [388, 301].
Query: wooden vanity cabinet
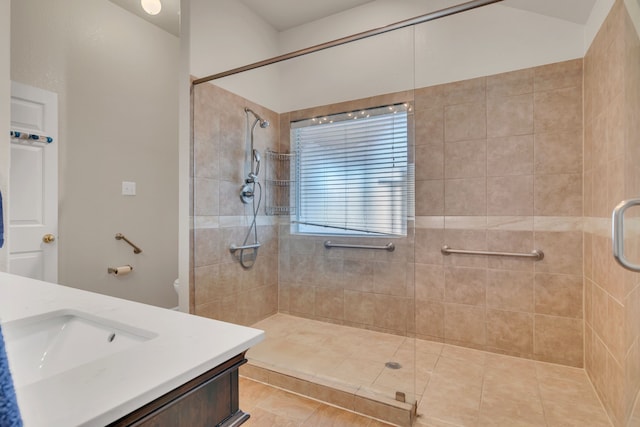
[208, 400]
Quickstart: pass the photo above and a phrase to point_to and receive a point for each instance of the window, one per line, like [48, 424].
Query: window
[351, 173]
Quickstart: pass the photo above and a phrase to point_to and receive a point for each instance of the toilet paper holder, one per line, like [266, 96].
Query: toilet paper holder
[122, 270]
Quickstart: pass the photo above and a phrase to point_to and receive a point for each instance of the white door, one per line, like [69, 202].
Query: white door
[33, 185]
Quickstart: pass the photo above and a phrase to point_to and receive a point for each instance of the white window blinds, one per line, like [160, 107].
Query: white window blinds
[351, 173]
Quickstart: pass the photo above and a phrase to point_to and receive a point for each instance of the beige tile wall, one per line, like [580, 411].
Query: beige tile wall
[505, 175]
[612, 296]
[498, 167]
[220, 287]
[367, 289]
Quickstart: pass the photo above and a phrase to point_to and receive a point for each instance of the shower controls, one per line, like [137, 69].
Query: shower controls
[247, 252]
[246, 192]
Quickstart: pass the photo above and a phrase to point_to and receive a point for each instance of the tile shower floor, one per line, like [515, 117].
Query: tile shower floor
[454, 386]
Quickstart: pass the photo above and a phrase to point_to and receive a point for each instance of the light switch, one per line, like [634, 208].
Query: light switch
[128, 188]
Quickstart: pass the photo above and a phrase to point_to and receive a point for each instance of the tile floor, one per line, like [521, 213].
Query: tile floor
[273, 407]
[454, 386]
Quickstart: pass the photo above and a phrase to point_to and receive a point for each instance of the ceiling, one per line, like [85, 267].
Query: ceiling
[576, 11]
[168, 19]
[285, 14]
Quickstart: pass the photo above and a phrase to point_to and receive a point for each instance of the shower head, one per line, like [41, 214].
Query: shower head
[263, 123]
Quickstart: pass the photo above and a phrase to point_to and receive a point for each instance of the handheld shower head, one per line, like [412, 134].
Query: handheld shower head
[256, 157]
[263, 123]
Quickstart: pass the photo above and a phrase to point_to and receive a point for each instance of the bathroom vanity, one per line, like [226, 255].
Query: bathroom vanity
[84, 359]
[208, 400]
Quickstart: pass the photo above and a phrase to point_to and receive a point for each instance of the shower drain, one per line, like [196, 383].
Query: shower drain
[393, 365]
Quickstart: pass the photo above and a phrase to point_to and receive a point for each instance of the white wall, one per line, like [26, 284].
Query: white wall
[484, 41]
[5, 95]
[492, 40]
[116, 77]
[225, 34]
[598, 14]
[633, 8]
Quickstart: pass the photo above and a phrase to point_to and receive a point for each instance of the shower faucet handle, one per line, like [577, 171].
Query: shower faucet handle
[246, 192]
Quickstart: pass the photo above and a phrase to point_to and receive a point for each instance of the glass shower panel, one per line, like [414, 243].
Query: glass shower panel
[340, 318]
[367, 291]
[480, 187]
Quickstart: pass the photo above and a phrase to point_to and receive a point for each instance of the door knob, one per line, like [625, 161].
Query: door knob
[48, 238]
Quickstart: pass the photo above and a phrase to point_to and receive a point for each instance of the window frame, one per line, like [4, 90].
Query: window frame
[402, 206]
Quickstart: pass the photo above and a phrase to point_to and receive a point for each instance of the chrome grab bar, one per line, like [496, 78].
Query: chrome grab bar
[388, 247]
[537, 254]
[234, 248]
[617, 233]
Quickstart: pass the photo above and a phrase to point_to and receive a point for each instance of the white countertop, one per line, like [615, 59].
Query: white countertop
[102, 391]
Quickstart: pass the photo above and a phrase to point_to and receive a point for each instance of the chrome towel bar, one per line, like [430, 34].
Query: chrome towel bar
[388, 247]
[537, 254]
[136, 250]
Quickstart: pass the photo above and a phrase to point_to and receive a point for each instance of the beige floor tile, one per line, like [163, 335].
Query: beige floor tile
[288, 405]
[561, 414]
[451, 401]
[455, 370]
[316, 363]
[376, 423]
[549, 370]
[456, 386]
[509, 365]
[571, 401]
[252, 393]
[293, 411]
[263, 418]
[423, 346]
[328, 416]
[486, 420]
[407, 355]
[432, 422]
[563, 390]
[465, 354]
[375, 348]
[403, 380]
[496, 384]
[499, 407]
[357, 370]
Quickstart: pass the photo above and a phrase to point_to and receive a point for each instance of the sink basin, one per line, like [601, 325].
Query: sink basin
[42, 346]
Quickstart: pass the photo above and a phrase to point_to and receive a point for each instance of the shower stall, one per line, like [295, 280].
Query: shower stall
[429, 213]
